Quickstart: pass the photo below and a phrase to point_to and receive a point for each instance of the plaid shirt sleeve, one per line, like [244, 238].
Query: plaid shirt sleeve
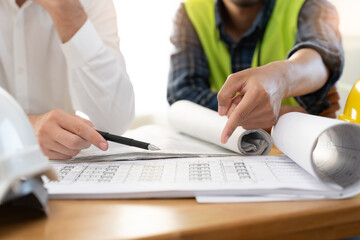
[318, 29]
[189, 71]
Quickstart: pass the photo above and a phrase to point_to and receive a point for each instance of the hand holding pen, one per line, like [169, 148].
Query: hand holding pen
[62, 135]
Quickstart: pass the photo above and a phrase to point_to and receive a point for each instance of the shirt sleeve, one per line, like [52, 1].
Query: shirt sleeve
[318, 29]
[98, 81]
[189, 71]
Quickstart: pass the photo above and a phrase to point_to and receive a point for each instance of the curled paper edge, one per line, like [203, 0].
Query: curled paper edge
[255, 148]
[205, 124]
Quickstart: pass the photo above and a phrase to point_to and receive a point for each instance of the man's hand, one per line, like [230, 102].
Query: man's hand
[62, 135]
[260, 90]
[68, 16]
[257, 105]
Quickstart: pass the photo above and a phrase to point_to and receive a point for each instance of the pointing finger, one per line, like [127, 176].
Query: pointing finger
[239, 115]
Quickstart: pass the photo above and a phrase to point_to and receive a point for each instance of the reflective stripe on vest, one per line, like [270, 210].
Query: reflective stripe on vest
[278, 38]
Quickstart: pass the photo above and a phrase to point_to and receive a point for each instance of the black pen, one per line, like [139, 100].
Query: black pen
[128, 141]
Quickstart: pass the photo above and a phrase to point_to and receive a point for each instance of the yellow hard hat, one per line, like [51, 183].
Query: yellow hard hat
[352, 107]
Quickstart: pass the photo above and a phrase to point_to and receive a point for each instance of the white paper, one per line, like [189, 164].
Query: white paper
[205, 124]
[202, 128]
[187, 177]
[323, 163]
[262, 198]
[171, 143]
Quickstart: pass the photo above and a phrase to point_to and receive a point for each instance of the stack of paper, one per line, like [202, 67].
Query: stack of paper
[323, 161]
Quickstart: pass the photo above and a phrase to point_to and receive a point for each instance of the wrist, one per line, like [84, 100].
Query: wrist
[288, 73]
[68, 16]
[35, 120]
[283, 70]
[68, 20]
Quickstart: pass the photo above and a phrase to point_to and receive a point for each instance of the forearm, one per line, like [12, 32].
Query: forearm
[105, 94]
[305, 72]
[98, 82]
[318, 29]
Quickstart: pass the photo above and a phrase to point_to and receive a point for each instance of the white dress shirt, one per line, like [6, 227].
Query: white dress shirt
[85, 74]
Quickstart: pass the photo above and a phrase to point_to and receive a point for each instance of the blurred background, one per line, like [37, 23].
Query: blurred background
[145, 27]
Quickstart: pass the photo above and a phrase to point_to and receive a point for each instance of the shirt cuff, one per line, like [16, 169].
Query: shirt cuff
[83, 46]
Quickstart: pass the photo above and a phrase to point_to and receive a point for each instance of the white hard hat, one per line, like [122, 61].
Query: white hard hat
[20, 154]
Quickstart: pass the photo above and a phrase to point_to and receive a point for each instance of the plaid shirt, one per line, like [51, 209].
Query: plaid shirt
[189, 71]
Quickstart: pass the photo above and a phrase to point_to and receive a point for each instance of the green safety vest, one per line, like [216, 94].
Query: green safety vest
[278, 38]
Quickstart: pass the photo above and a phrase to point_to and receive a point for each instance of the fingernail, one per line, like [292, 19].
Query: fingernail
[226, 138]
[221, 110]
[103, 146]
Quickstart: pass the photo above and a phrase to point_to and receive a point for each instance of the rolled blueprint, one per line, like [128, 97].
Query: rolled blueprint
[328, 149]
[205, 124]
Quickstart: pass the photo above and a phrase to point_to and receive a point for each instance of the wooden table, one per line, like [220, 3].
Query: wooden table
[185, 219]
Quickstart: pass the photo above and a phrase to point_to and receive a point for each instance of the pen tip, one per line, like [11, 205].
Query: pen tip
[153, 147]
